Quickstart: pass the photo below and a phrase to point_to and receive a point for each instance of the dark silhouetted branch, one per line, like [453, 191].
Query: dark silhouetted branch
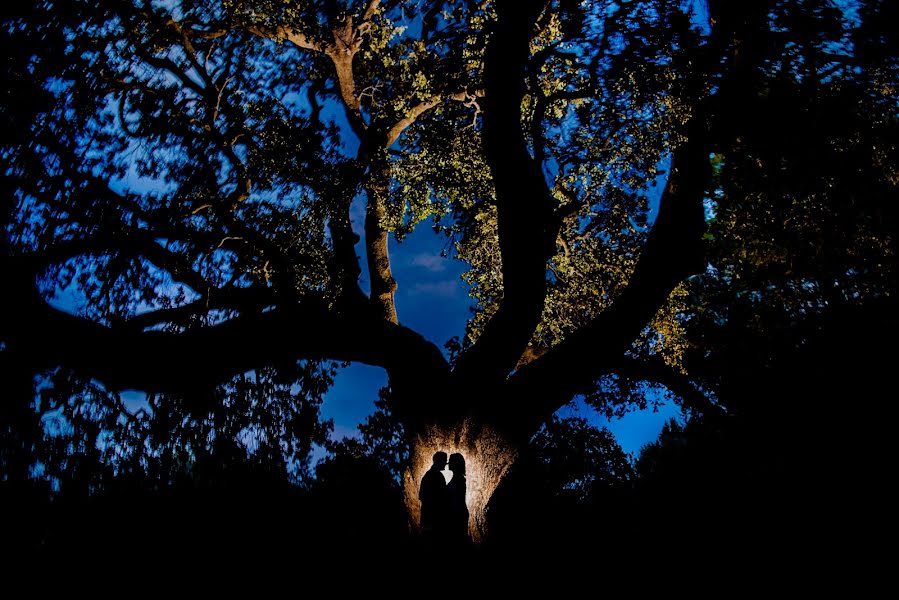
[672, 252]
[125, 243]
[123, 358]
[525, 208]
[656, 371]
[245, 300]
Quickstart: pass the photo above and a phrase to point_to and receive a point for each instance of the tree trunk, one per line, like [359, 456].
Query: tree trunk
[488, 458]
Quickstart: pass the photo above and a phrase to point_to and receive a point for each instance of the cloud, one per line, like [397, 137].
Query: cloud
[357, 214]
[429, 262]
[448, 288]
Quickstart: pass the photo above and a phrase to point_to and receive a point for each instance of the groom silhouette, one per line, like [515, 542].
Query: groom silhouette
[434, 499]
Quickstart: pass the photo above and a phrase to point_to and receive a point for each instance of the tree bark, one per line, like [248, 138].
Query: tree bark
[525, 210]
[383, 285]
[488, 457]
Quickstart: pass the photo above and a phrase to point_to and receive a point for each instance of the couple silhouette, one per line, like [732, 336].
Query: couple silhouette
[444, 514]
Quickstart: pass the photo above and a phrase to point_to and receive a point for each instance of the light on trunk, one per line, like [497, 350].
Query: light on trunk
[487, 460]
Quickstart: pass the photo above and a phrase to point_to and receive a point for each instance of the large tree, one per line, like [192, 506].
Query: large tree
[190, 169]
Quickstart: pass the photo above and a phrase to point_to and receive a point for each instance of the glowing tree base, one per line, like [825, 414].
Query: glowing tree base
[488, 458]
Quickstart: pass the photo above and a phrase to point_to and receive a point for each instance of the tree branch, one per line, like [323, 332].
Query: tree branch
[393, 133]
[342, 58]
[246, 300]
[134, 243]
[341, 52]
[395, 130]
[672, 252]
[207, 34]
[525, 209]
[656, 371]
[383, 285]
[282, 32]
[167, 64]
[40, 336]
[370, 10]
[377, 185]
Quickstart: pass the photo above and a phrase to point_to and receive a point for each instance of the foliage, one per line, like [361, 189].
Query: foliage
[786, 324]
[803, 219]
[576, 458]
[177, 193]
[262, 424]
[176, 160]
[381, 439]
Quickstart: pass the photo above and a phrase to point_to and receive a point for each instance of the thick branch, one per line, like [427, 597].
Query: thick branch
[526, 223]
[395, 130]
[247, 300]
[656, 371]
[672, 252]
[393, 133]
[43, 337]
[383, 285]
[342, 57]
[341, 52]
[281, 32]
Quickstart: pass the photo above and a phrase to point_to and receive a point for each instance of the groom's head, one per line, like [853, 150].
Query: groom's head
[440, 460]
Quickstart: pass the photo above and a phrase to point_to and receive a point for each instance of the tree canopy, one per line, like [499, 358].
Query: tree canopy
[628, 184]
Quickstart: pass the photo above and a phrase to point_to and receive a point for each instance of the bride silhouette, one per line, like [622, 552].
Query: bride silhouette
[457, 509]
